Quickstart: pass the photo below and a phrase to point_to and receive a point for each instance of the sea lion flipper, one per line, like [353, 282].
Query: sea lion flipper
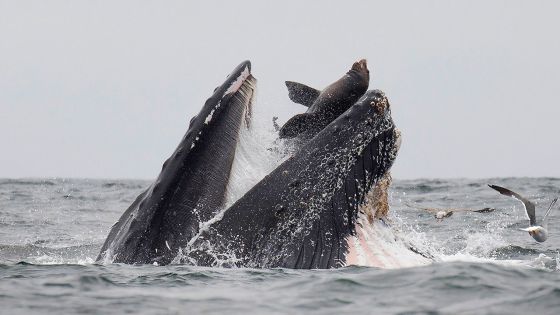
[301, 93]
[296, 125]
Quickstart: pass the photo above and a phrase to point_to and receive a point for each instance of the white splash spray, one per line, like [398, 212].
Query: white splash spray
[254, 158]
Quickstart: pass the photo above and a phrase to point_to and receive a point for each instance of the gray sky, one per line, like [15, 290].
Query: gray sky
[106, 88]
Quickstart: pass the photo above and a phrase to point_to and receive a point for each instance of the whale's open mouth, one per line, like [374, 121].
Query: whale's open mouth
[301, 215]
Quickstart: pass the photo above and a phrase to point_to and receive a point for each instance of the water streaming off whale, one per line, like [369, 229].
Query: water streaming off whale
[255, 156]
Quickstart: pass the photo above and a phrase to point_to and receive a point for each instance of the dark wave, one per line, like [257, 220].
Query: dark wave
[512, 251]
[440, 288]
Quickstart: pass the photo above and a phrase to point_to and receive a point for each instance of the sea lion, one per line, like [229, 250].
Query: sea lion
[324, 106]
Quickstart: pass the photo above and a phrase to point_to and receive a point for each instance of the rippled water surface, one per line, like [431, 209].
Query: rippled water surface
[51, 231]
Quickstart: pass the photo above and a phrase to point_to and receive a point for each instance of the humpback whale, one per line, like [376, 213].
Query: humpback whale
[324, 106]
[193, 181]
[312, 211]
[303, 213]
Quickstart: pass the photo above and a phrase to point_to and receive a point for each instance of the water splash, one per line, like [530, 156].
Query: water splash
[254, 156]
[481, 238]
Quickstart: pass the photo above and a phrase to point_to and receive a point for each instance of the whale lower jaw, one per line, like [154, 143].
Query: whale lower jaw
[193, 181]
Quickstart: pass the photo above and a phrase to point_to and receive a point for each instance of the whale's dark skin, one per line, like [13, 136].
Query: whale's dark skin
[192, 183]
[300, 215]
[324, 106]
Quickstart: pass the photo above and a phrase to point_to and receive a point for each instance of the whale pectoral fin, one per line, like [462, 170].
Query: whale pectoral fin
[297, 124]
[301, 93]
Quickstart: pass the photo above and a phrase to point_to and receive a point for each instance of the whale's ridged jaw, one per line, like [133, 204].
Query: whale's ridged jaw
[192, 182]
[300, 215]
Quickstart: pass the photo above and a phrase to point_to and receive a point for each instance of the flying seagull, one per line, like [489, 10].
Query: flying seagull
[538, 232]
[442, 213]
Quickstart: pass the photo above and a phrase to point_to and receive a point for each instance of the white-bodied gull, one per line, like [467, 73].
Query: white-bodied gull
[538, 232]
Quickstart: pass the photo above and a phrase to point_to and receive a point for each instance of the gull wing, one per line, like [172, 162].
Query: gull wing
[484, 210]
[431, 210]
[545, 218]
[529, 206]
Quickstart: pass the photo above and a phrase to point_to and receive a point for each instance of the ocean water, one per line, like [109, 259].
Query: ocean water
[51, 231]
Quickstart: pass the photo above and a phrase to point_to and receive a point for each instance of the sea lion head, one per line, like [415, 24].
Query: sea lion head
[360, 68]
[358, 78]
[360, 65]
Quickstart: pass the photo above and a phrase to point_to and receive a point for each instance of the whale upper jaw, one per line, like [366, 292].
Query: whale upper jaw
[300, 215]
